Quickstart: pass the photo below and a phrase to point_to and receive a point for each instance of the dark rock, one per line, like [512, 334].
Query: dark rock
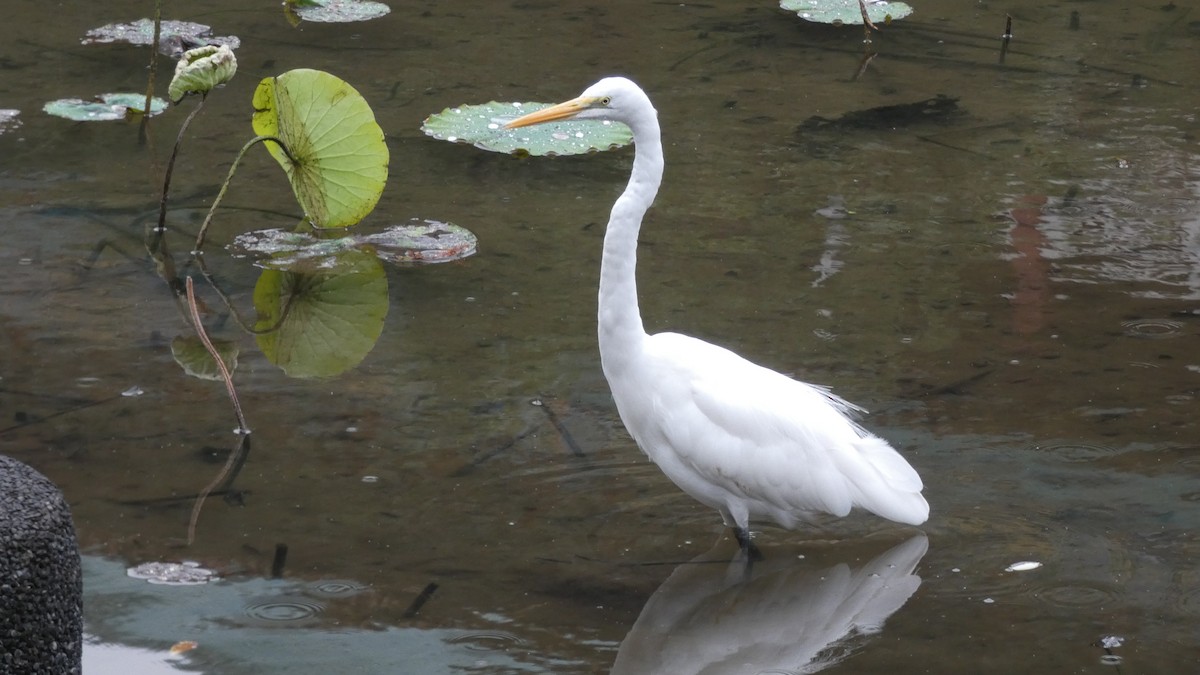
[41, 585]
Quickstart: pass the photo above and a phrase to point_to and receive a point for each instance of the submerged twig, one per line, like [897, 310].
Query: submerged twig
[278, 562]
[235, 459]
[420, 600]
[1006, 38]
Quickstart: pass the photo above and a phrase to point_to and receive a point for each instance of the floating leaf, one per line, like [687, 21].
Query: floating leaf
[106, 108]
[175, 37]
[341, 160]
[421, 241]
[201, 69]
[8, 120]
[323, 323]
[337, 11]
[482, 126]
[191, 355]
[838, 12]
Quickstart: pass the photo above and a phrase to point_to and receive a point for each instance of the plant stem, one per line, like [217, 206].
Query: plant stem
[162, 204]
[224, 186]
[153, 71]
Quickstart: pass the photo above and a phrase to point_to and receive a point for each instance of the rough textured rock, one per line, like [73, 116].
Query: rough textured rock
[41, 587]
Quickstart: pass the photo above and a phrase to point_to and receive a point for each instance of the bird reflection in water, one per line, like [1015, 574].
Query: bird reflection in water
[789, 616]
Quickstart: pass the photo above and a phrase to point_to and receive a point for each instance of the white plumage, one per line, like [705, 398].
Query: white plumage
[738, 437]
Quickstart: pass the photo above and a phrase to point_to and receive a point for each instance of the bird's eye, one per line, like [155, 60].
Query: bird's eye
[605, 101]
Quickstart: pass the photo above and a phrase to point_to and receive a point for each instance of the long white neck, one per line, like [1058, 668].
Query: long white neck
[620, 322]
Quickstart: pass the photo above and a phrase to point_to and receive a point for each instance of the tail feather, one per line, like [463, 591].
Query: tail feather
[900, 497]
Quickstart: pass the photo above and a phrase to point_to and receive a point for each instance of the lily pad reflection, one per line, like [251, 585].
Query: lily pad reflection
[323, 323]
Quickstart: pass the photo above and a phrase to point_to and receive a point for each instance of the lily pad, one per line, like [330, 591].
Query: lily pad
[191, 355]
[838, 12]
[175, 37]
[420, 241]
[105, 108]
[339, 160]
[9, 120]
[323, 323]
[337, 11]
[482, 126]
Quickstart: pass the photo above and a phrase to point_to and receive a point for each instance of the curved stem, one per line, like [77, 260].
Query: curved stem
[162, 203]
[225, 186]
[237, 317]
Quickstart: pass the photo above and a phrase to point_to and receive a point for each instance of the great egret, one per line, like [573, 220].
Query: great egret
[740, 438]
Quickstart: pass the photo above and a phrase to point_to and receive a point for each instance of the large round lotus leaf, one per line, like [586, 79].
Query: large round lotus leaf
[838, 12]
[174, 36]
[482, 126]
[338, 11]
[106, 108]
[191, 355]
[341, 160]
[323, 323]
[420, 241]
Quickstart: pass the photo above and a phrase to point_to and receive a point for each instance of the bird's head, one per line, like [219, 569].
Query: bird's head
[614, 98]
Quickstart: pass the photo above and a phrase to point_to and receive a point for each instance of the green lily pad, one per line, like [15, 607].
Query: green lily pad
[838, 12]
[9, 120]
[191, 355]
[175, 37]
[337, 11]
[323, 323]
[339, 161]
[106, 107]
[420, 241]
[482, 126]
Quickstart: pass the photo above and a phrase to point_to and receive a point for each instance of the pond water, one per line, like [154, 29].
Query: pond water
[1008, 278]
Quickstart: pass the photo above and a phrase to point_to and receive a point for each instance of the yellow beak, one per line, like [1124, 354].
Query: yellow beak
[562, 111]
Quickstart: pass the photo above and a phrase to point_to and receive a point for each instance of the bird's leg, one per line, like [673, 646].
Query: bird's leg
[743, 539]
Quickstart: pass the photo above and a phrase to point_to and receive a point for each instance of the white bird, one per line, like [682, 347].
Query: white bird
[738, 437]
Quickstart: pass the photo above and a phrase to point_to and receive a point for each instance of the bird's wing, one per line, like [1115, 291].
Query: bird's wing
[765, 436]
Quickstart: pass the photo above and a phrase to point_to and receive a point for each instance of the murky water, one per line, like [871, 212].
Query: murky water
[1008, 281]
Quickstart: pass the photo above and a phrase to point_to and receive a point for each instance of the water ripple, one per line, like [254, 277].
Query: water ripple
[284, 611]
[485, 641]
[1152, 329]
